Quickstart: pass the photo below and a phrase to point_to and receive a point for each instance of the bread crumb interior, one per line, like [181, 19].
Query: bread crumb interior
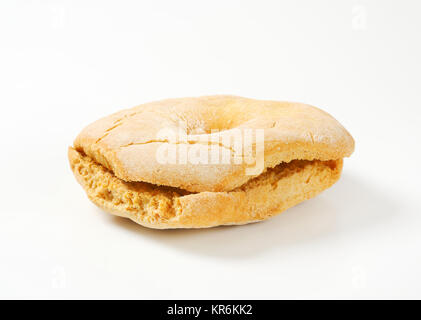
[159, 203]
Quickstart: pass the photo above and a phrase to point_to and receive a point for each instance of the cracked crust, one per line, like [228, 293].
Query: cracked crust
[126, 142]
[153, 206]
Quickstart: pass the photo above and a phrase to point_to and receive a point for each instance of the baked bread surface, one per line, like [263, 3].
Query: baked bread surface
[126, 142]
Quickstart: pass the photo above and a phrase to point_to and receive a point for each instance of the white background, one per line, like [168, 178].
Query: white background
[64, 64]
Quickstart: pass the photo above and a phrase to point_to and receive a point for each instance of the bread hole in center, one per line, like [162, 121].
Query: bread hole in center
[202, 127]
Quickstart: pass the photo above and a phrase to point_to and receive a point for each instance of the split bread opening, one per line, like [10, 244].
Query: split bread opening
[274, 191]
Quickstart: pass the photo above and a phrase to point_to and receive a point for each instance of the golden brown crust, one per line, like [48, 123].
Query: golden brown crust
[160, 207]
[126, 142]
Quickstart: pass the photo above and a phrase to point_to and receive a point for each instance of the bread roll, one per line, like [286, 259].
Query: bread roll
[216, 170]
